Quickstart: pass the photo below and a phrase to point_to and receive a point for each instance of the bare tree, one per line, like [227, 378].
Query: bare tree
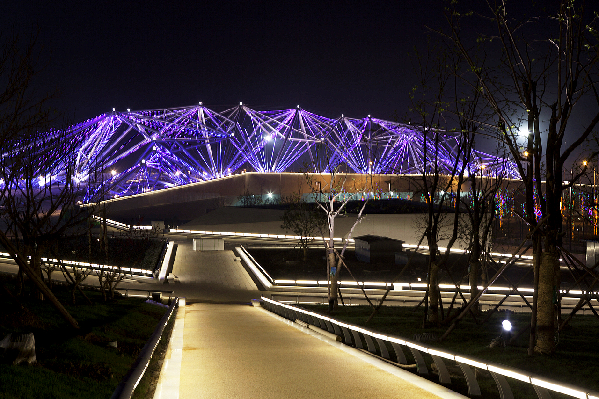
[304, 219]
[441, 174]
[332, 190]
[34, 207]
[532, 72]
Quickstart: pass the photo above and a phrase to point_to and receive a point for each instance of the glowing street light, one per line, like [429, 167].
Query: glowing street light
[524, 131]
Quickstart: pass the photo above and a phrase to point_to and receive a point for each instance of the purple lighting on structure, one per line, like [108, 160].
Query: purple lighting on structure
[141, 151]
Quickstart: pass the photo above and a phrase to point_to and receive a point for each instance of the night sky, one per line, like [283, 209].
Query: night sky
[330, 57]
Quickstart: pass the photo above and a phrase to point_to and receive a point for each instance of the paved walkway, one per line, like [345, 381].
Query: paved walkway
[223, 348]
[210, 276]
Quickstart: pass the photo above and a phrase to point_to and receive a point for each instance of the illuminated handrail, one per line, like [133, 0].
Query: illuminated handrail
[269, 282]
[130, 381]
[506, 372]
[94, 266]
[256, 269]
[124, 226]
[166, 260]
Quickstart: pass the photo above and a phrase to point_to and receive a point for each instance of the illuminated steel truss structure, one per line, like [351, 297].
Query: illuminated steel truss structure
[132, 152]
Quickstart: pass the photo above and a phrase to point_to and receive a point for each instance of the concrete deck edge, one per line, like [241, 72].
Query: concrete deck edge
[170, 375]
[429, 386]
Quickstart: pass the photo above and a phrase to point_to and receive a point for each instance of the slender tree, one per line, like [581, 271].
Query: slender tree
[535, 73]
[304, 219]
[441, 179]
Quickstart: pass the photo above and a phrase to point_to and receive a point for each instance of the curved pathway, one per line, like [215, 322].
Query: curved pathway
[223, 348]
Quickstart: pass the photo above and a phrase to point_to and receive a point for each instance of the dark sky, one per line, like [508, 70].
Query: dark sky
[330, 57]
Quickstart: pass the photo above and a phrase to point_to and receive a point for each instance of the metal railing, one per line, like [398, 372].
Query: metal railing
[133, 271]
[130, 381]
[356, 336]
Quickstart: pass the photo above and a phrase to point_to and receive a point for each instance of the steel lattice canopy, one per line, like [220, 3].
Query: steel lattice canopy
[125, 153]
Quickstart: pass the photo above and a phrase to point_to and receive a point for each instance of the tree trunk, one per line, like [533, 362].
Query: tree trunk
[536, 260]
[39, 282]
[36, 266]
[433, 293]
[21, 280]
[545, 342]
[49, 271]
[474, 272]
[473, 277]
[332, 266]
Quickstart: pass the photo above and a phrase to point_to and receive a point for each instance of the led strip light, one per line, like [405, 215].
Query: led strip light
[318, 283]
[94, 266]
[516, 374]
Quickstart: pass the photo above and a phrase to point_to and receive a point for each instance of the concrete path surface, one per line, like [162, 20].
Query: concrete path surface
[221, 347]
[237, 351]
[210, 276]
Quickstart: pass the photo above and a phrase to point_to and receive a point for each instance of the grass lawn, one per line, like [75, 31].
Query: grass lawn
[139, 252]
[77, 364]
[288, 263]
[575, 361]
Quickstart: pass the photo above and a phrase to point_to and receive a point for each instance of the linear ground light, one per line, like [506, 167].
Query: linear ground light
[507, 372]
